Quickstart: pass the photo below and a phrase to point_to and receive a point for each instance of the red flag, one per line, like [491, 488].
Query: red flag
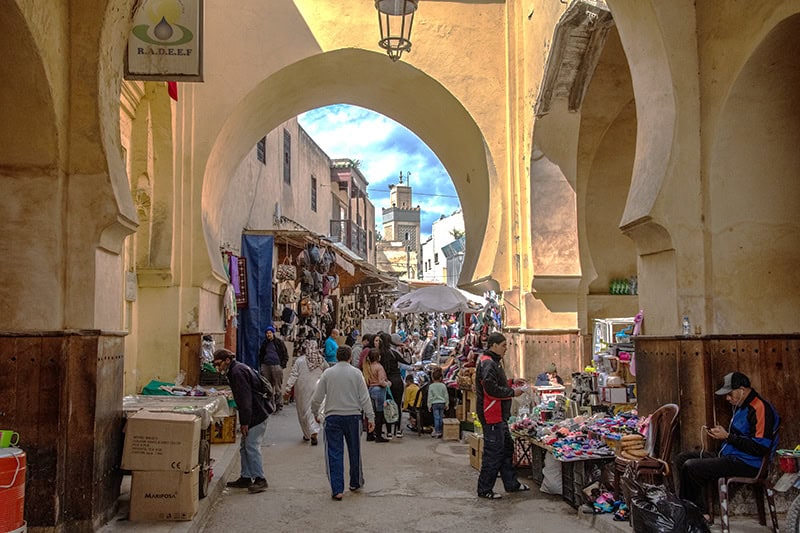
[172, 89]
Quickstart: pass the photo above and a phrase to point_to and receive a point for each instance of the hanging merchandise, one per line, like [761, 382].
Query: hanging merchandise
[286, 270]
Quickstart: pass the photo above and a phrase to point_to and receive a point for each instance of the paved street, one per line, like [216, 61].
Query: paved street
[412, 484]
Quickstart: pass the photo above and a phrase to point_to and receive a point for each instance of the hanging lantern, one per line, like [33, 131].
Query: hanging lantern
[396, 18]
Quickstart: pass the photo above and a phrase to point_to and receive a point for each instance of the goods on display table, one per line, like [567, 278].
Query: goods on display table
[168, 451]
[567, 455]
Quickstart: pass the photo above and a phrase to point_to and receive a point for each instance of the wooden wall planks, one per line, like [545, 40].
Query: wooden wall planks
[771, 362]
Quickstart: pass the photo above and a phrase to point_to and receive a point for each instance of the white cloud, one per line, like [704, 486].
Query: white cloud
[385, 148]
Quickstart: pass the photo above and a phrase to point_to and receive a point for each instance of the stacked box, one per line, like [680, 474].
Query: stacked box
[537, 464]
[163, 450]
[469, 401]
[576, 475]
[461, 412]
[223, 430]
[475, 450]
[451, 429]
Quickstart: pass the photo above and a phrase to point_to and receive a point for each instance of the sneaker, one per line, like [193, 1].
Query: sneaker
[314, 439]
[380, 438]
[259, 485]
[399, 435]
[434, 435]
[241, 483]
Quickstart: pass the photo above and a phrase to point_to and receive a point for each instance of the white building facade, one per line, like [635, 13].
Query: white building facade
[443, 232]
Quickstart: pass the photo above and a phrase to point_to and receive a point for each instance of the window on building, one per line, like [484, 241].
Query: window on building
[313, 194]
[287, 157]
[261, 150]
[436, 258]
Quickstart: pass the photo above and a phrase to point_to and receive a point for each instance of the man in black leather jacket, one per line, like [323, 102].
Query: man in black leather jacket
[494, 408]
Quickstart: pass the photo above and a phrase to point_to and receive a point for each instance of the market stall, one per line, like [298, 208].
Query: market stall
[567, 456]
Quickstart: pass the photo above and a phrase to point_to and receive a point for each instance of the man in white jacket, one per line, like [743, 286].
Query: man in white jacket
[346, 398]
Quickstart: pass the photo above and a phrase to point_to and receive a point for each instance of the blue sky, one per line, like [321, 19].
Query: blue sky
[384, 148]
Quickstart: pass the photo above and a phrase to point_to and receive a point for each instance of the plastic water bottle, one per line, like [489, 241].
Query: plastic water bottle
[687, 326]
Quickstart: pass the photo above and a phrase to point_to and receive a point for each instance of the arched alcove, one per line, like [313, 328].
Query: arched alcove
[363, 78]
[755, 192]
[31, 182]
[613, 254]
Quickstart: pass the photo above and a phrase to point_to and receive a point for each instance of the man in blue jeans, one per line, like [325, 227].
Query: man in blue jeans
[347, 400]
[493, 404]
[253, 415]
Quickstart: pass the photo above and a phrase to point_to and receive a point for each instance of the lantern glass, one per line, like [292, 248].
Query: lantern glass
[396, 18]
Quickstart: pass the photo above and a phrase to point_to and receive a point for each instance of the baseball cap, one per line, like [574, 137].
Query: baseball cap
[551, 368]
[396, 339]
[732, 381]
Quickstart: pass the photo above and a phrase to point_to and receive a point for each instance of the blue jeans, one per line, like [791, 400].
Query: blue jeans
[378, 396]
[438, 415]
[338, 430]
[250, 452]
[498, 453]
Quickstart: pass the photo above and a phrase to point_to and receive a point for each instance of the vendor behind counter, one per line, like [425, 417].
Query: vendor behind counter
[549, 377]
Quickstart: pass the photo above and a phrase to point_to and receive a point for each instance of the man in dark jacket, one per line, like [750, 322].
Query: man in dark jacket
[245, 385]
[494, 408]
[273, 356]
[751, 436]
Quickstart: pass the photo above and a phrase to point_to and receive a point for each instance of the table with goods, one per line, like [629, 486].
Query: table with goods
[567, 456]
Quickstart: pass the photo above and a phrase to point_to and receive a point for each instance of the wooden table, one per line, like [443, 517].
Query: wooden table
[575, 471]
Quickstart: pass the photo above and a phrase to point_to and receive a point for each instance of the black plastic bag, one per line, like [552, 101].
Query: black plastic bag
[656, 510]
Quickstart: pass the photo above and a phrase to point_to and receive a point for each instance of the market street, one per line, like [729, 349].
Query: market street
[412, 484]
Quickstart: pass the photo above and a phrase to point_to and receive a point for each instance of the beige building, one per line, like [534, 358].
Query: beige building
[401, 247]
[587, 141]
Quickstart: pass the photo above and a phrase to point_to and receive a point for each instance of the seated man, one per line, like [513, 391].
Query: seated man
[747, 440]
[549, 377]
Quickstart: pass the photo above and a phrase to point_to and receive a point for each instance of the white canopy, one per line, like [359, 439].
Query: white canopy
[439, 299]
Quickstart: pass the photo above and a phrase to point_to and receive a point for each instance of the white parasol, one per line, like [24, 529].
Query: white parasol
[439, 299]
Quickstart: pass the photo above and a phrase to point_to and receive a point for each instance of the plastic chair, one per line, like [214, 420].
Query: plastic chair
[663, 427]
[761, 485]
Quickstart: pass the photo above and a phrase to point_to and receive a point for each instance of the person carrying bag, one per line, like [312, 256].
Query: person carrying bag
[391, 412]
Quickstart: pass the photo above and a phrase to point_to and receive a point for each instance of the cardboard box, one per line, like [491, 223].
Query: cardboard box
[164, 495]
[615, 394]
[223, 430]
[469, 401]
[461, 412]
[475, 450]
[161, 441]
[451, 429]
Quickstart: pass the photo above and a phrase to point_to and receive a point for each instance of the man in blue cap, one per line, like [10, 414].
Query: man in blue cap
[273, 357]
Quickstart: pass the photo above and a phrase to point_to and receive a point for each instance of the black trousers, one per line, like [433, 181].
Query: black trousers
[498, 454]
[695, 473]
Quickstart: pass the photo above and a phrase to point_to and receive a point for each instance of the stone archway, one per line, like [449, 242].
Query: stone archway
[606, 154]
[363, 78]
[31, 172]
[755, 193]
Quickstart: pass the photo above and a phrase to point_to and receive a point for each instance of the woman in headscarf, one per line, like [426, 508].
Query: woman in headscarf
[305, 374]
